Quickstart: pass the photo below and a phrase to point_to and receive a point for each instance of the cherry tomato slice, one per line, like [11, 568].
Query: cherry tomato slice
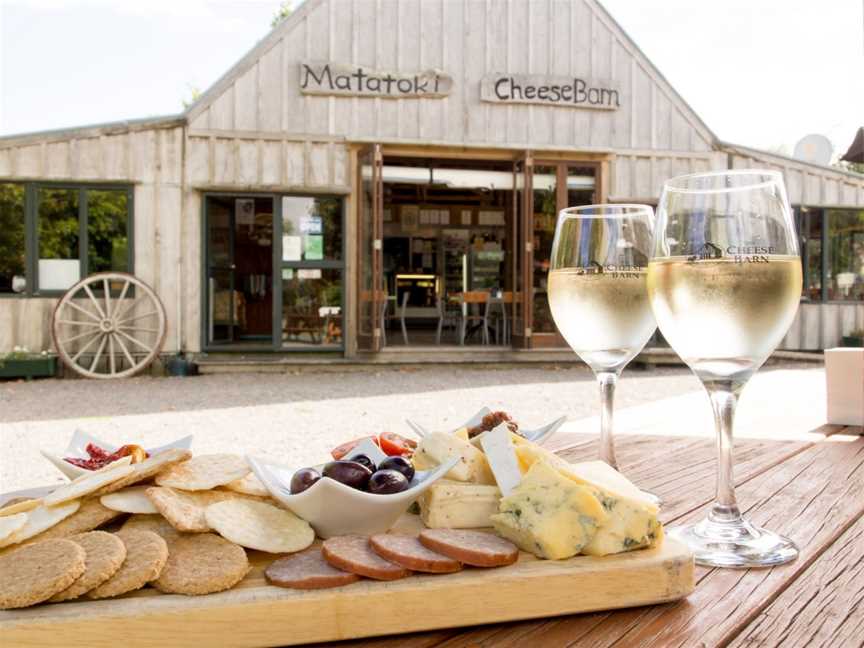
[395, 445]
[341, 450]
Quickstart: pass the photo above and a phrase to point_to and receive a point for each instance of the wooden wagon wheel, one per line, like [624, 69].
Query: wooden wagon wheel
[109, 325]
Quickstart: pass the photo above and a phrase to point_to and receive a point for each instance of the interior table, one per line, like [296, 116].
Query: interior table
[810, 489]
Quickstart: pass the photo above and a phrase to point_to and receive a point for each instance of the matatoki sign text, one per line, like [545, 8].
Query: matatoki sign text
[359, 81]
[572, 92]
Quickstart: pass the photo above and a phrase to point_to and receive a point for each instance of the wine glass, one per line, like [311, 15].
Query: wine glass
[598, 294]
[724, 282]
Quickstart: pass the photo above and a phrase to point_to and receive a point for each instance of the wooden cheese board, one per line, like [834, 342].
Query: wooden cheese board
[255, 613]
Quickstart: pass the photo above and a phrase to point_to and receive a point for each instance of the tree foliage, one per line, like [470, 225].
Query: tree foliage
[285, 9]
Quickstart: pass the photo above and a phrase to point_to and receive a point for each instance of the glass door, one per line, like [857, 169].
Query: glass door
[372, 296]
[221, 310]
[522, 252]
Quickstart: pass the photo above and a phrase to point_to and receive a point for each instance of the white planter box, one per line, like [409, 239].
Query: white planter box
[844, 372]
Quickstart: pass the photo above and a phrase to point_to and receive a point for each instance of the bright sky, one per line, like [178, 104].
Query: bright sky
[759, 72]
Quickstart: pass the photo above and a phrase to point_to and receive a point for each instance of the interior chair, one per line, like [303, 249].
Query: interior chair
[447, 317]
[405, 297]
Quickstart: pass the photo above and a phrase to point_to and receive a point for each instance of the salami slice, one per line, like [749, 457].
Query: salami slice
[474, 548]
[353, 554]
[307, 570]
[407, 551]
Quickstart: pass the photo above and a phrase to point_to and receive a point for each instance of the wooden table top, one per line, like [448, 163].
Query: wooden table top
[810, 489]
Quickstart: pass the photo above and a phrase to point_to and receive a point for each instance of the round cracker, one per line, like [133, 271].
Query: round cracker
[41, 518]
[129, 500]
[185, 509]
[105, 552]
[90, 514]
[202, 564]
[155, 523]
[204, 472]
[9, 524]
[146, 555]
[35, 573]
[261, 526]
[249, 485]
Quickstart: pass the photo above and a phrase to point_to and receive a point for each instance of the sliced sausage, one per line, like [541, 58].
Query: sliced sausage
[407, 551]
[353, 554]
[474, 548]
[307, 570]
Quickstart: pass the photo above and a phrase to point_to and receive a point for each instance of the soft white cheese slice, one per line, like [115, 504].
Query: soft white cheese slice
[457, 505]
[502, 458]
[438, 447]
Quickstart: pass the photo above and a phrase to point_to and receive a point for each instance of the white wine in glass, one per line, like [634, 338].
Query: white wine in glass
[724, 283]
[598, 293]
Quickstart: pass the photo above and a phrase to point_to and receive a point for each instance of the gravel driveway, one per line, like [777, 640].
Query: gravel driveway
[296, 417]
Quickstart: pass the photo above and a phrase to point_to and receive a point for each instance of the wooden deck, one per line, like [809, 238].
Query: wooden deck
[810, 488]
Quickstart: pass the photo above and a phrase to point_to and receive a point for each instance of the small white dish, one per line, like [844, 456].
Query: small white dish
[334, 509]
[538, 435]
[78, 448]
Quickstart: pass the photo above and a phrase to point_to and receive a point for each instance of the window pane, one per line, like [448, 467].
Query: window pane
[845, 254]
[311, 307]
[813, 235]
[12, 239]
[545, 210]
[107, 231]
[59, 267]
[311, 229]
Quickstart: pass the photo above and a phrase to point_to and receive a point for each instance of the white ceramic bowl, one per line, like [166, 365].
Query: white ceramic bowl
[538, 435]
[334, 509]
[78, 448]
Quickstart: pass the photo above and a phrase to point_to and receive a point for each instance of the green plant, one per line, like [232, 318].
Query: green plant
[21, 353]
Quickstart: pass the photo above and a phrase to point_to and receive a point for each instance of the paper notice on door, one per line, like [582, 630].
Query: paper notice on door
[313, 247]
[292, 248]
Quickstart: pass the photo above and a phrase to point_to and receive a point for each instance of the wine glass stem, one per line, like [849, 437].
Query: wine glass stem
[724, 400]
[607, 381]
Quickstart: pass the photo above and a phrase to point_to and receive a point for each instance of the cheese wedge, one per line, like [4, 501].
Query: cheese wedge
[438, 447]
[450, 504]
[632, 516]
[550, 515]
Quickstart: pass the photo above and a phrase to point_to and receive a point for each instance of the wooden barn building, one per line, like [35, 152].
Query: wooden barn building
[368, 165]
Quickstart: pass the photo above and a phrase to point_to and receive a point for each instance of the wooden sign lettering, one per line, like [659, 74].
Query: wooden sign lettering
[572, 92]
[359, 81]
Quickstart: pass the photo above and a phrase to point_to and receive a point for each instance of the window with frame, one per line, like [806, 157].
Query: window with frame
[52, 235]
[845, 252]
[13, 239]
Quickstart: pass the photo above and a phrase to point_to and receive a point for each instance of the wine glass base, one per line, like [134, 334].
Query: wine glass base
[734, 544]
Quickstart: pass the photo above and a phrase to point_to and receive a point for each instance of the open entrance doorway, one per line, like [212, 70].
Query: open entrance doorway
[448, 241]
[455, 251]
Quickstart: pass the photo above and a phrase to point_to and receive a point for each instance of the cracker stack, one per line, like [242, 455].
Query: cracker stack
[190, 519]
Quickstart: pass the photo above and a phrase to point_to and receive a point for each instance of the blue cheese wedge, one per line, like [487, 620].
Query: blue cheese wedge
[631, 522]
[450, 504]
[549, 515]
[438, 447]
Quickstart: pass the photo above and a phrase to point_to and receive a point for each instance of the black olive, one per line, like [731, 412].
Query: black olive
[401, 464]
[303, 479]
[386, 482]
[350, 473]
[366, 461]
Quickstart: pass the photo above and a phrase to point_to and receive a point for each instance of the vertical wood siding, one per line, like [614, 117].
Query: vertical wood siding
[151, 160]
[468, 39]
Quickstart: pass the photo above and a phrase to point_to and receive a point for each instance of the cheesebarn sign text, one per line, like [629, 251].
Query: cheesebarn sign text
[572, 92]
[359, 81]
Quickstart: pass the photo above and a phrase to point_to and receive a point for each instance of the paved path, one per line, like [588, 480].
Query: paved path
[297, 418]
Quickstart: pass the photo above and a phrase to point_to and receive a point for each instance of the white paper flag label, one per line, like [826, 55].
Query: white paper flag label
[502, 458]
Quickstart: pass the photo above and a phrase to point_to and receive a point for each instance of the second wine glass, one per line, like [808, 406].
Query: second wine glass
[598, 293]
